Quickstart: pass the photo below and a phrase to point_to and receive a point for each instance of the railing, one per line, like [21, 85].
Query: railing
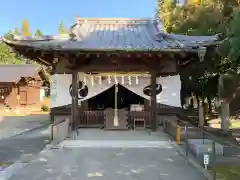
[91, 119]
[217, 154]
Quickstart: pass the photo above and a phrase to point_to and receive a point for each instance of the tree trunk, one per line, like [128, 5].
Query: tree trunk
[201, 115]
[198, 103]
[209, 104]
[225, 116]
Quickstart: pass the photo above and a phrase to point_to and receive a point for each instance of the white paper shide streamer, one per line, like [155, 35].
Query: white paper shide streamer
[122, 79]
[109, 79]
[100, 80]
[92, 80]
[116, 80]
[129, 80]
[136, 79]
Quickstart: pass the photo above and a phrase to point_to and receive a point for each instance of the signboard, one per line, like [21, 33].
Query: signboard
[206, 160]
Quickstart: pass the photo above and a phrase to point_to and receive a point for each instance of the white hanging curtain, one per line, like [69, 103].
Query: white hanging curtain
[60, 95]
[170, 94]
[137, 88]
[94, 88]
[60, 90]
[171, 91]
[171, 87]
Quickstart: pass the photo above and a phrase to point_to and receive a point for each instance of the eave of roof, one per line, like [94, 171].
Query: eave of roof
[114, 35]
[24, 44]
[93, 36]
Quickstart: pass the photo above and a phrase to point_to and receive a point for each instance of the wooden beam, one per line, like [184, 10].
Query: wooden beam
[77, 63]
[74, 99]
[109, 68]
[153, 100]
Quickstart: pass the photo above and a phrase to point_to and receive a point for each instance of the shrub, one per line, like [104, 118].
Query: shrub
[45, 108]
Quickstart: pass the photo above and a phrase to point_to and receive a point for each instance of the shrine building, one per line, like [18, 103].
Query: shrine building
[114, 73]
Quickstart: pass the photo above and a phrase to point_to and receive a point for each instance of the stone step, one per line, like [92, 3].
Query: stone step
[114, 144]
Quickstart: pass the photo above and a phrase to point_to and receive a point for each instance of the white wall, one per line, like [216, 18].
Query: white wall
[42, 94]
[171, 93]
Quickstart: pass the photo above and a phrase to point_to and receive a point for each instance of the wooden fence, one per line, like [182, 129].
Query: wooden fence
[95, 118]
[91, 119]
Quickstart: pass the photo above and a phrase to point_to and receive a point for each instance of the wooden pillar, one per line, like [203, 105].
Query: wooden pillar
[74, 99]
[153, 100]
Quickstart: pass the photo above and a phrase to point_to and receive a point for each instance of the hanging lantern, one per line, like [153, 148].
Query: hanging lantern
[129, 80]
[100, 80]
[122, 79]
[85, 80]
[116, 80]
[92, 79]
[136, 79]
[109, 79]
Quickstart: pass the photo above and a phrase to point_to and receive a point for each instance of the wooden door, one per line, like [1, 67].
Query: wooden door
[23, 98]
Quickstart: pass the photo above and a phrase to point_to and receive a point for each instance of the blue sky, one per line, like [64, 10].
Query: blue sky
[47, 14]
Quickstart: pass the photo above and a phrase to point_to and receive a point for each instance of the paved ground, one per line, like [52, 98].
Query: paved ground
[111, 155]
[25, 146]
[10, 126]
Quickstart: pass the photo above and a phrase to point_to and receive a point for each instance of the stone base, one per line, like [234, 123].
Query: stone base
[116, 128]
[199, 148]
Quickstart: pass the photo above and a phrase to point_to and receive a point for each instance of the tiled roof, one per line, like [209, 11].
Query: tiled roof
[190, 41]
[13, 72]
[117, 34]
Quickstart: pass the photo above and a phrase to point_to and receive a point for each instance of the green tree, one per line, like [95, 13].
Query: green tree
[16, 31]
[7, 56]
[230, 48]
[26, 29]
[196, 18]
[166, 10]
[61, 29]
[38, 33]
[230, 53]
[9, 35]
[211, 17]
